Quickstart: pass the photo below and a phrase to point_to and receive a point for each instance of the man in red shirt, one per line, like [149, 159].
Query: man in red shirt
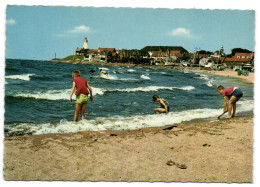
[83, 89]
[234, 94]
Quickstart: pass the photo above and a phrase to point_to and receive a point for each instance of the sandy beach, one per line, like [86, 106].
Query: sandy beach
[229, 73]
[217, 151]
[220, 151]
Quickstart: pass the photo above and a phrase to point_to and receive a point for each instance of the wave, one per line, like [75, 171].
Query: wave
[131, 70]
[114, 77]
[151, 88]
[25, 77]
[145, 77]
[64, 94]
[119, 122]
[164, 73]
[55, 94]
[103, 68]
[209, 81]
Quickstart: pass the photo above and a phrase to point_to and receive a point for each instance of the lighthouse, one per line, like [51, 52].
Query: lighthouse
[221, 51]
[85, 44]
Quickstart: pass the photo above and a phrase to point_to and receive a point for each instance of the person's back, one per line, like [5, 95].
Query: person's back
[81, 85]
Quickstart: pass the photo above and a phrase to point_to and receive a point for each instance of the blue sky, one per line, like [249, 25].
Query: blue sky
[37, 32]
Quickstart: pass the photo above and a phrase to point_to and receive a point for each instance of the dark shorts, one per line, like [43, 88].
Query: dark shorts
[167, 108]
[237, 93]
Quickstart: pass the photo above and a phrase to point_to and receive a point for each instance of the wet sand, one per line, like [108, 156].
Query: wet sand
[220, 151]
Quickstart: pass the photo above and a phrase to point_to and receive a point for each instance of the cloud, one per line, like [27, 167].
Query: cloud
[181, 32]
[81, 29]
[10, 22]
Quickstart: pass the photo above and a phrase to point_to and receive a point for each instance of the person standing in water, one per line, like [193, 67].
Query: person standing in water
[92, 71]
[83, 89]
[165, 107]
[233, 94]
[103, 72]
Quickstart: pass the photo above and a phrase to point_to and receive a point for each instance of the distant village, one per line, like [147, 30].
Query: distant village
[239, 59]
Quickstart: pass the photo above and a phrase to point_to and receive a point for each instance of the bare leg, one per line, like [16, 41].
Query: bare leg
[83, 108]
[77, 109]
[232, 103]
[159, 110]
[234, 109]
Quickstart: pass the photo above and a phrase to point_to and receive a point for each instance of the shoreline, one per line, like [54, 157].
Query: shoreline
[208, 151]
[225, 73]
[219, 151]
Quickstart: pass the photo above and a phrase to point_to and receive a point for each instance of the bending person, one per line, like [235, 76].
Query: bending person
[163, 103]
[233, 94]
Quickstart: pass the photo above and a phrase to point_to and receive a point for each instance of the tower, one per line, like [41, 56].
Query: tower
[221, 51]
[85, 45]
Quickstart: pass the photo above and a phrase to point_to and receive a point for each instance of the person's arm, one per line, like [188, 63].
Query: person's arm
[72, 91]
[90, 91]
[165, 107]
[225, 104]
[100, 74]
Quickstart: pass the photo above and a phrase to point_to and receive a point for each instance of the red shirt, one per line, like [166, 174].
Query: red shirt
[81, 85]
[228, 92]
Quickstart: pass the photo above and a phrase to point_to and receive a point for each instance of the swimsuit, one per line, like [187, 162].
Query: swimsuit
[237, 92]
[166, 103]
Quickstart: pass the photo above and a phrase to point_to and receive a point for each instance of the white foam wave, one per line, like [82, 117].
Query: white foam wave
[164, 73]
[103, 68]
[152, 88]
[145, 77]
[209, 83]
[56, 94]
[121, 123]
[131, 70]
[114, 77]
[25, 77]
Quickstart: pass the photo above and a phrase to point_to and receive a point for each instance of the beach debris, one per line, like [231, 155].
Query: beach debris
[204, 145]
[182, 166]
[170, 127]
[113, 134]
[170, 163]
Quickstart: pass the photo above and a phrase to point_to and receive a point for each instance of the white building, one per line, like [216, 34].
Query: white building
[85, 44]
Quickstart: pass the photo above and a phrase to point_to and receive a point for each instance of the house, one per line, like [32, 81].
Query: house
[175, 54]
[244, 55]
[81, 51]
[239, 60]
[112, 50]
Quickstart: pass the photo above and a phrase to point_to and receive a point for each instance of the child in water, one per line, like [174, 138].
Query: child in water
[233, 94]
[103, 72]
[83, 89]
[163, 103]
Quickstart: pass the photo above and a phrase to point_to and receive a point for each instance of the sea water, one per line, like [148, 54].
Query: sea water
[37, 97]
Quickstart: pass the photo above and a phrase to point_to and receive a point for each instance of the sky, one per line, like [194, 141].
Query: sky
[38, 32]
[21, 30]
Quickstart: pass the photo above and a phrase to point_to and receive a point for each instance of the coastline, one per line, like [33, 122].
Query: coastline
[226, 73]
[201, 151]
[219, 151]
